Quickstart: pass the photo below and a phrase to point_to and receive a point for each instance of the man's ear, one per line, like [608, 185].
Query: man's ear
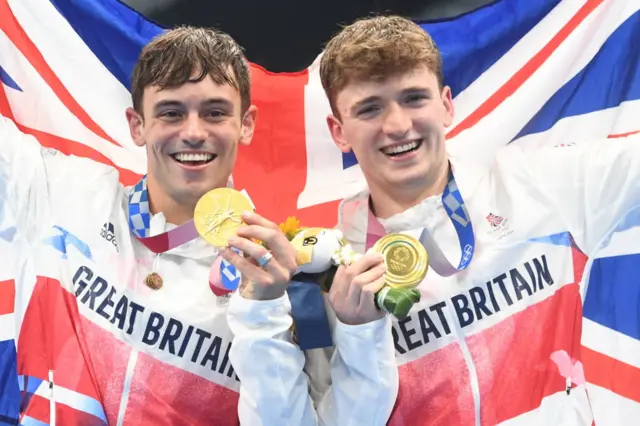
[337, 133]
[248, 125]
[447, 100]
[136, 124]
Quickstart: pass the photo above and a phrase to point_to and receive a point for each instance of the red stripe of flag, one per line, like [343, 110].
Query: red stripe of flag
[519, 78]
[273, 169]
[7, 296]
[610, 373]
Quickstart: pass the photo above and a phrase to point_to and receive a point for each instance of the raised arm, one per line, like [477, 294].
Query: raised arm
[594, 185]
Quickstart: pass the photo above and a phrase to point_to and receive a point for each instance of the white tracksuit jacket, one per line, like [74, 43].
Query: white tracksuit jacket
[479, 348]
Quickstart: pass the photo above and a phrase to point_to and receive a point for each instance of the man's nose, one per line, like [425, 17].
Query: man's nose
[397, 122]
[193, 131]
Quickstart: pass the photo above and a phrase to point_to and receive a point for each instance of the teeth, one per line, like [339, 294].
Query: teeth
[183, 157]
[400, 149]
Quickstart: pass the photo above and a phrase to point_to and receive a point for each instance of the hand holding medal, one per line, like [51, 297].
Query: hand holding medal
[407, 264]
[218, 215]
[226, 219]
[385, 278]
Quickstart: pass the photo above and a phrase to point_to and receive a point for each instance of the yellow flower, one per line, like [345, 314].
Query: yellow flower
[290, 227]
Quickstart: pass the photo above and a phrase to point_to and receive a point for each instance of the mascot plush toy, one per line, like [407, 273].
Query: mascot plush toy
[321, 250]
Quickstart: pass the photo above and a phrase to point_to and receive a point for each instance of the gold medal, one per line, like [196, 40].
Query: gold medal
[406, 259]
[219, 213]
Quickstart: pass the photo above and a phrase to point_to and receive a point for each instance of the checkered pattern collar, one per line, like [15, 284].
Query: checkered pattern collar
[139, 211]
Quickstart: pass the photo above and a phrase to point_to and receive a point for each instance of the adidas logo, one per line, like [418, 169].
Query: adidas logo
[108, 233]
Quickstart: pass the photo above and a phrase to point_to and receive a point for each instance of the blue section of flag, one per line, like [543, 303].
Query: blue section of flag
[612, 77]
[309, 315]
[471, 44]
[114, 32]
[348, 160]
[6, 79]
[613, 294]
[9, 387]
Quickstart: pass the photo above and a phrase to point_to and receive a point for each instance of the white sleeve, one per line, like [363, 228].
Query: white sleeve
[594, 185]
[360, 388]
[364, 375]
[21, 170]
[32, 178]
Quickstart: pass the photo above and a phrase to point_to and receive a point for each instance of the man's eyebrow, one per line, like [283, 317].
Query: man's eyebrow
[177, 104]
[367, 100]
[215, 101]
[417, 89]
[166, 103]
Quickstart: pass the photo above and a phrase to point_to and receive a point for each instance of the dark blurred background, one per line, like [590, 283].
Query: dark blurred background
[287, 35]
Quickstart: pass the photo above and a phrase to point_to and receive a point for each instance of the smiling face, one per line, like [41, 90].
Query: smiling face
[191, 133]
[395, 128]
[383, 78]
[191, 95]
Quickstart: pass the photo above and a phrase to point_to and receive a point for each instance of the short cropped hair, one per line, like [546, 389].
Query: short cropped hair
[374, 49]
[189, 54]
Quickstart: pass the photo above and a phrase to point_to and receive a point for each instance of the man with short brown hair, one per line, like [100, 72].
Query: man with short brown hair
[121, 321]
[211, 53]
[499, 319]
[372, 49]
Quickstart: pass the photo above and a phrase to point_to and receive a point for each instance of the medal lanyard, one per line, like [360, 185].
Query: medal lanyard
[307, 302]
[140, 223]
[457, 211]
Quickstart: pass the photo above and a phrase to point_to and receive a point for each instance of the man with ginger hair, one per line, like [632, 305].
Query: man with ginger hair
[500, 306]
